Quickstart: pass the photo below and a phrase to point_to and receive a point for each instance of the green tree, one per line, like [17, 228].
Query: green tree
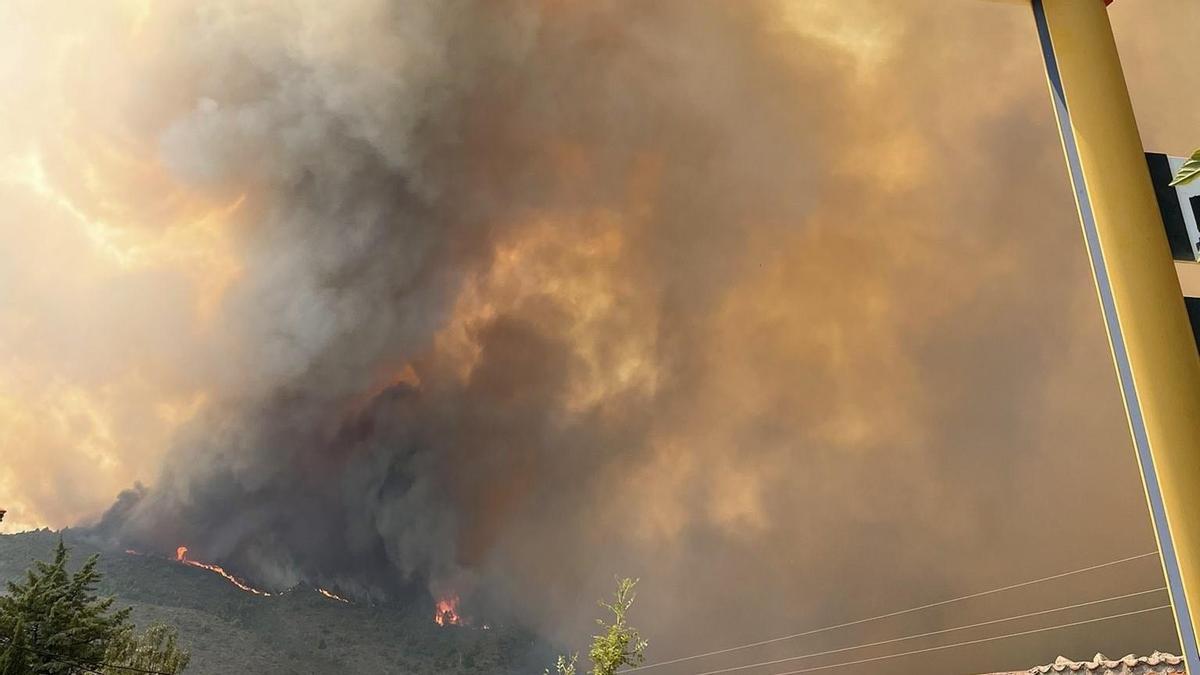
[53, 623]
[155, 650]
[618, 644]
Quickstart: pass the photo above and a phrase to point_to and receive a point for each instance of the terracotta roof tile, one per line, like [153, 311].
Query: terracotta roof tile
[1157, 663]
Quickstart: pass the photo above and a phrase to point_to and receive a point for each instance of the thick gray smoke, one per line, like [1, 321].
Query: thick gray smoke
[535, 293]
[391, 153]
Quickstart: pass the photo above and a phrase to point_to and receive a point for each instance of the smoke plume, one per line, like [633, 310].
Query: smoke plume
[484, 247]
[504, 298]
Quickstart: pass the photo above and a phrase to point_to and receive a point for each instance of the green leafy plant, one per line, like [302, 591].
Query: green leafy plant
[618, 644]
[1189, 171]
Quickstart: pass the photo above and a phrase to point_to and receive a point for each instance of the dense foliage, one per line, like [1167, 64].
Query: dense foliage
[155, 650]
[54, 623]
[297, 631]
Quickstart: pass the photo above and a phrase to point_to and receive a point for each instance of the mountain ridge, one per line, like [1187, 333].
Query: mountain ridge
[298, 632]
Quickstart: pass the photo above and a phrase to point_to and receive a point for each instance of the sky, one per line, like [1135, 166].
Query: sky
[785, 301]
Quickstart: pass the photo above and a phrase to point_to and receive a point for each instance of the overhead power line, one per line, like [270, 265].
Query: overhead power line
[943, 631]
[889, 615]
[973, 642]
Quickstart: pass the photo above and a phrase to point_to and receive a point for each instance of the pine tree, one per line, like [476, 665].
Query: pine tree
[13, 659]
[54, 623]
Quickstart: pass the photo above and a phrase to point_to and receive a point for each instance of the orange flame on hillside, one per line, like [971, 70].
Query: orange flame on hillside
[332, 596]
[447, 612]
[181, 556]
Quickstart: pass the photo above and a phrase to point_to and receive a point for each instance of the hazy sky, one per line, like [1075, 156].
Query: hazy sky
[793, 293]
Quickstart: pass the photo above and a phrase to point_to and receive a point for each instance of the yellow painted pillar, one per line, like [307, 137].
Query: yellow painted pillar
[1153, 348]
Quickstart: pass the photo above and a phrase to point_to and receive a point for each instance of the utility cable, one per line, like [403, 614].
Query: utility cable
[889, 615]
[942, 631]
[973, 642]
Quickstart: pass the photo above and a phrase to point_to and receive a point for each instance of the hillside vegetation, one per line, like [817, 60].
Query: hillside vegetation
[300, 632]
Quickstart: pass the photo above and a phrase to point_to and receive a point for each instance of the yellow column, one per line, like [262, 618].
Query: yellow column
[1153, 348]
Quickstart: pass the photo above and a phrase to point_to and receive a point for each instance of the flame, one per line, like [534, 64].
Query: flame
[332, 596]
[446, 613]
[181, 556]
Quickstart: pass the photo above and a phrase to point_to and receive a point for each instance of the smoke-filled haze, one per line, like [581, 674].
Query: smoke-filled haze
[779, 306]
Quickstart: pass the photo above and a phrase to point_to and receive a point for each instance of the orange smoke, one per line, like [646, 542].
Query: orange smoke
[390, 376]
[181, 556]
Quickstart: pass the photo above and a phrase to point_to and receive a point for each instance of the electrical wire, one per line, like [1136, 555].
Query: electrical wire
[973, 642]
[942, 631]
[889, 615]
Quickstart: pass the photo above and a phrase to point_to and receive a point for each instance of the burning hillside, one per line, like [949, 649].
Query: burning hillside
[181, 556]
[332, 596]
[452, 292]
[446, 609]
[229, 630]
[494, 299]
[446, 612]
